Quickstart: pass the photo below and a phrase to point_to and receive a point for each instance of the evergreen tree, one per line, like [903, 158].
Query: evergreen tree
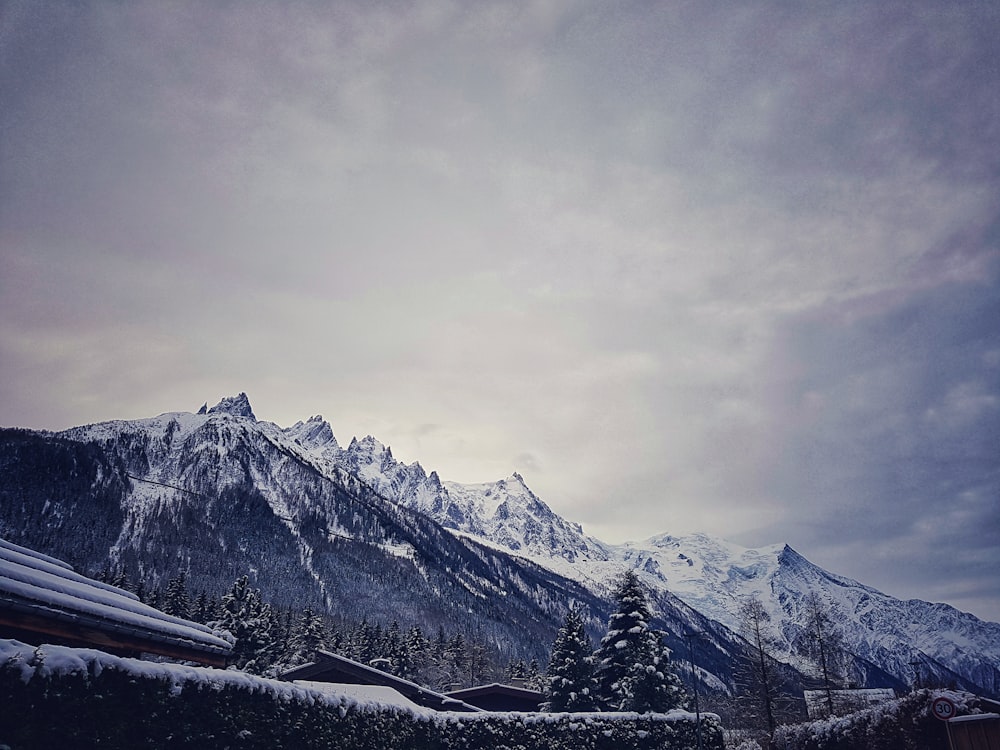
[200, 609]
[478, 662]
[177, 602]
[396, 651]
[416, 647]
[456, 655]
[633, 666]
[250, 621]
[534, 679]
[308, 636]
[570, 683]
[362, 643]
[517, 670]
[625, 643]
[653, 685]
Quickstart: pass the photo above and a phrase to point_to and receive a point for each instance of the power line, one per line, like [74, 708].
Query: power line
[169, 486]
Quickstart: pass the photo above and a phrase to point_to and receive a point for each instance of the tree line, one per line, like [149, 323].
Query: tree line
[630, 670]
[270, 640]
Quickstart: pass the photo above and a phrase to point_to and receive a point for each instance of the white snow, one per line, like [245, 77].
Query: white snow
[380, 696]
[974, 717]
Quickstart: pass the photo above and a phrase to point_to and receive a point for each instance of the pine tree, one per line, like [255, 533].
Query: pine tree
[414, 665]
[653, 685]
[478, 661]
[570, 681]
[177, 602]
[204, 608]
[362, 645]
[249, 620]
[517, 670]
[633, 666]
[396, 650]
[455, 660]
[308, 636]
[625, 643]
[535, 680]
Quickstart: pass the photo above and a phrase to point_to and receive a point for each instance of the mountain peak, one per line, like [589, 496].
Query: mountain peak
[237, 406]
[314, 433]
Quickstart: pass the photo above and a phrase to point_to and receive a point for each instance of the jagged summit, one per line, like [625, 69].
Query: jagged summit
[315, 433]
[237, 406]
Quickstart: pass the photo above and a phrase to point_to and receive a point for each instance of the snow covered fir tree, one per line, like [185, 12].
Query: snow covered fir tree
[570, 683]
[634, 672]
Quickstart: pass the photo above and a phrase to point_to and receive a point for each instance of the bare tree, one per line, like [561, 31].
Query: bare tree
[757, 676]
[823, 644]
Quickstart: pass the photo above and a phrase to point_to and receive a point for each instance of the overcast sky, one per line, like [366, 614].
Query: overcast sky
[729, 267]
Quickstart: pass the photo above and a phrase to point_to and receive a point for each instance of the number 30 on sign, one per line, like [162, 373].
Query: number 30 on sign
[943, 708]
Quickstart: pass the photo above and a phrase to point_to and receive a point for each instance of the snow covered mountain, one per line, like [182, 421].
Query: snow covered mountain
[220, 493]
[894, 642]
[913, 641]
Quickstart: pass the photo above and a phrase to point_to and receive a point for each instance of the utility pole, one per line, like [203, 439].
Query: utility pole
[689, 636]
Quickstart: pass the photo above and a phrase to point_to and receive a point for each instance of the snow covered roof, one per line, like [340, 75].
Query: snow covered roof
[368, 695]
[43, 599]
[334, 668]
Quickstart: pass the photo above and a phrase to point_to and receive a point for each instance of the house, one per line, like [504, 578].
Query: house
[328, 667]
[43, 600]
[974, 732]
[496, 697]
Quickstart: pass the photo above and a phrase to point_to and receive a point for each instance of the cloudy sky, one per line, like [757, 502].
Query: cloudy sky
[731, 267]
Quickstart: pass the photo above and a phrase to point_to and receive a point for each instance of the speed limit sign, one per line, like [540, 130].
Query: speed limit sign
[943, 708]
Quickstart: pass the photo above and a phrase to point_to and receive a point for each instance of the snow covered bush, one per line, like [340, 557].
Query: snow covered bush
[903, 724]
[57, 697]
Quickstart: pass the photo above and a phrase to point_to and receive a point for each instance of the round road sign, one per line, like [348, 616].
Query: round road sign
[943, 708]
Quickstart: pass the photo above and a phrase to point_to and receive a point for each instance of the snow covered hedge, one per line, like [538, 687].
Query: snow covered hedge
[55, 697]
[903, 724]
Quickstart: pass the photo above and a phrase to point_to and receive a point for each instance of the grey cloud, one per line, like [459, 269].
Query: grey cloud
[717, 267]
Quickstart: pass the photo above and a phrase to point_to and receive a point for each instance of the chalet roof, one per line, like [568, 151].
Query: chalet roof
[495, 688]
[377, 695]
[44, 599]
[498, 697]
[330, 667]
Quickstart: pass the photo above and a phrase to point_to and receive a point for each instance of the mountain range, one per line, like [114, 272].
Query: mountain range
[352, 530]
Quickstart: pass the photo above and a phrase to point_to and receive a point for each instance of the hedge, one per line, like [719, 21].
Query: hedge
[56, 697]
[903, 724]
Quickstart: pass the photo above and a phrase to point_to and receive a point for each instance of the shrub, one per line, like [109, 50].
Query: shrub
[79, 698]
